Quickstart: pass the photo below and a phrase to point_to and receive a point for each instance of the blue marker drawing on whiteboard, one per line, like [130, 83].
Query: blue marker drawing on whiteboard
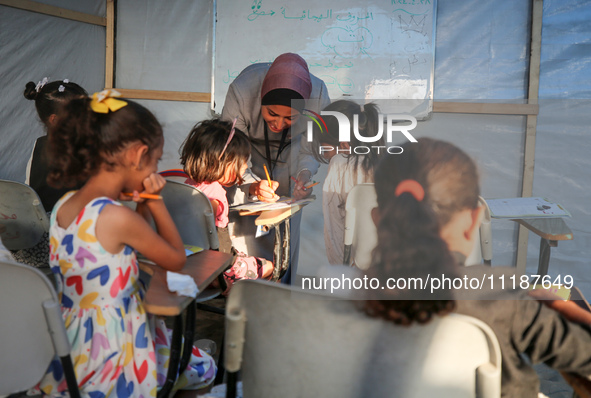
[256, 11]
[347, 42]
[346, 85]
[231, 76]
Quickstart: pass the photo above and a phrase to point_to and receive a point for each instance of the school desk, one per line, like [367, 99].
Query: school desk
[550, 231]
[273, 219]
[203, 267]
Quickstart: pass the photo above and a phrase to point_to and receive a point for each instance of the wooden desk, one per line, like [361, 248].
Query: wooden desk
[550, 231]
[203, 267]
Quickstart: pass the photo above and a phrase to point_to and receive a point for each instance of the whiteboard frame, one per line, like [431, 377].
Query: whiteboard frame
[429, 99]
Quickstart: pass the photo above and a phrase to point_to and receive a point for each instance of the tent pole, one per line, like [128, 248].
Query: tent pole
[531, 125]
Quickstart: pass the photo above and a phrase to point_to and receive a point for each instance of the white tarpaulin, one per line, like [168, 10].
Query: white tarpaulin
[482, 53]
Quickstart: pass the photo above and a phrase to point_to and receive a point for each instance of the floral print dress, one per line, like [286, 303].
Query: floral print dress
[118, 350]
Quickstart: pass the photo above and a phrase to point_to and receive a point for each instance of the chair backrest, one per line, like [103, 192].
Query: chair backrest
[360, 232]
[192, 214]
[361, 235]
[31, 327]
[482, 250]
[22, 214]
[289, 343]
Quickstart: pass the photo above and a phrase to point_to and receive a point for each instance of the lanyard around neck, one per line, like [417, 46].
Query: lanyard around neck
[270, 162]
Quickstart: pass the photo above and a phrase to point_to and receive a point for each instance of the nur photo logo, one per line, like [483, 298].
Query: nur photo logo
[390, 124]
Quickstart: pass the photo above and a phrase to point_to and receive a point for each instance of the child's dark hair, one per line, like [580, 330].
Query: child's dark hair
[368, 123]
[83, 140]
[409, 241]
[201, 151]
[52, 96]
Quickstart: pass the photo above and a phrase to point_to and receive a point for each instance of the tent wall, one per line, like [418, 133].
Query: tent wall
[482, 54]
[33, 46]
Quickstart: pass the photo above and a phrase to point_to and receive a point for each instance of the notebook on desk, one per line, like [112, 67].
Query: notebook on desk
[282, 203]
[521, 208]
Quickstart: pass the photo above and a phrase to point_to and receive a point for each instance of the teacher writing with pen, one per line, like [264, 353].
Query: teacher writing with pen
[268, 101]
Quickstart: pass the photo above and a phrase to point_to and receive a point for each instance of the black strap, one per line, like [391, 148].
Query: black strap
[282, 146]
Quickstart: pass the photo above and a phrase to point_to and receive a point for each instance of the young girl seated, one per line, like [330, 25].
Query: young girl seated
[215, 156]
[49, 98]
[117, 348]
[428, 216]
[346, 169]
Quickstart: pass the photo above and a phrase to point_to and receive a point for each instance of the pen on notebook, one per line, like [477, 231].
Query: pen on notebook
[144, 195]
[268, 177]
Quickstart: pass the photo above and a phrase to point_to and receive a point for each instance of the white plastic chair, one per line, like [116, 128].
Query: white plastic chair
[22, 215]
[482, 250]
[290, 343]
[31, 328]
[361, 235]
[360, 232]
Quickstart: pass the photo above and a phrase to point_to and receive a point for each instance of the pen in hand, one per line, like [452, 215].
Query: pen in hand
[298, 184]
[268, 176]
[269, 181]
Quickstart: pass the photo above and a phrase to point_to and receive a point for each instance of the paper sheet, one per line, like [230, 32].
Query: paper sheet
[525, 208]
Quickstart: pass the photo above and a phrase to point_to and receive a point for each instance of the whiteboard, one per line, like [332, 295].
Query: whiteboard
[376, 50]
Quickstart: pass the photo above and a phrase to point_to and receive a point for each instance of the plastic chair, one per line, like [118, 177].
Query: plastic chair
[291, 343]
[22, 214]
[192, 214]
[361, 235]
[482, 251]
[32, 330]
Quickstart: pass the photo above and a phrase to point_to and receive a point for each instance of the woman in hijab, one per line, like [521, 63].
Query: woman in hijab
[267, 101]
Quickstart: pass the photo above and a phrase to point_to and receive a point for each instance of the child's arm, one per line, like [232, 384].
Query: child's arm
[118, 226]
[215, 204]
[569, 309]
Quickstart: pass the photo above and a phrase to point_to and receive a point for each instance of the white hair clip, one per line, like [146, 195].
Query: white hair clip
[61, 88]
[42, 83]
[66, 80]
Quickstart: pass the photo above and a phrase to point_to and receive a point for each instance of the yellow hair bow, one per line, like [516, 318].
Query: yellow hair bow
[105, 100]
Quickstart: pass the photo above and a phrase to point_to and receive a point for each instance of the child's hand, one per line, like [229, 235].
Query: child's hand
[263, 192]
[300, 191]
[154, 183]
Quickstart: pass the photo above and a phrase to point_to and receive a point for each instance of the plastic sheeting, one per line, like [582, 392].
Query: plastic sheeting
[482, 55]
[167, 46]
[33, 46]
[482, 52]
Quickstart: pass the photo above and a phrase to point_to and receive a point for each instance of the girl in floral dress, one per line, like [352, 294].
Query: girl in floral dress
[118, 350]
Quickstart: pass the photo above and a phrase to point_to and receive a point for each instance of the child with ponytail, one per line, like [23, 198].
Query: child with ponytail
[49, 98]
[113, 146]
[427, 218]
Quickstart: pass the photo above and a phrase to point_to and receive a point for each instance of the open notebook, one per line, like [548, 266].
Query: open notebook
[282, 203]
